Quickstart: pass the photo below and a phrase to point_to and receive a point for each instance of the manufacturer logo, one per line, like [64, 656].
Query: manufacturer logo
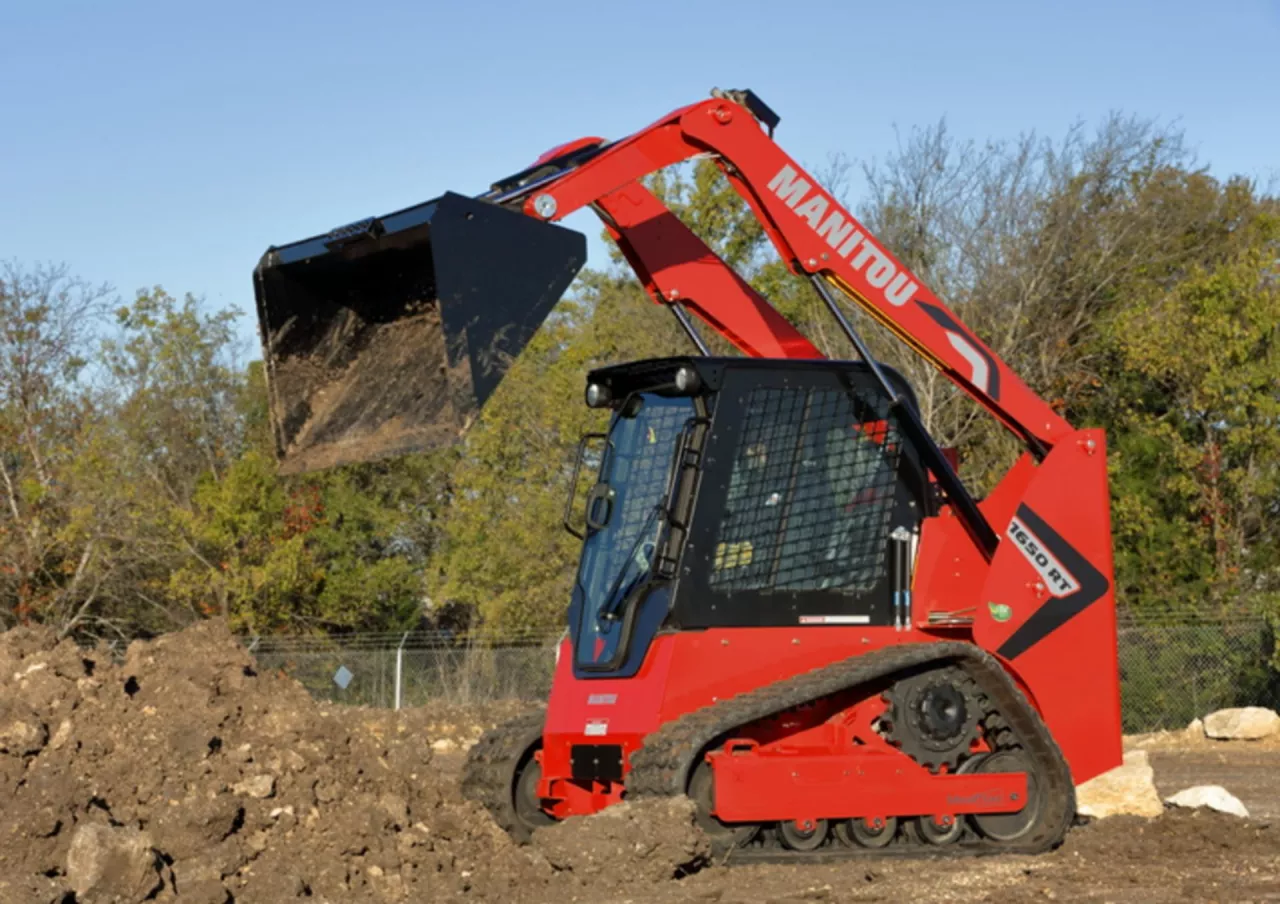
[827, 219]
[602, 699]
[1059, 581]
[981, 799]
[1000, 612]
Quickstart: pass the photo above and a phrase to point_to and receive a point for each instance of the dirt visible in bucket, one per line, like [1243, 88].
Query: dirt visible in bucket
[371, 390]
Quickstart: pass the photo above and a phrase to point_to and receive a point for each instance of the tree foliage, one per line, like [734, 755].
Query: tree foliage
[1193, 402]
[141, 490]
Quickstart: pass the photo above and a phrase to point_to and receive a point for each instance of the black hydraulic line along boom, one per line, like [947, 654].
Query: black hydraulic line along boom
[682, 317]
[966, 508]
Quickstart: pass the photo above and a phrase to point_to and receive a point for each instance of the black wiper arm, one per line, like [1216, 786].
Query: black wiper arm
[616, 604]
[614, 600]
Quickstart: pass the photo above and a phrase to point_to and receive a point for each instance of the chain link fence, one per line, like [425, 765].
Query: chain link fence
[1170, 673]
[394, 670]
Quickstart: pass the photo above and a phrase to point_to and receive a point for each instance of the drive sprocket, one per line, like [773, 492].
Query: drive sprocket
[933, 717]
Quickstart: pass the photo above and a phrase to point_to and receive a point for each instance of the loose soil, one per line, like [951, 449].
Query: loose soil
[183, 774]
[372, 389]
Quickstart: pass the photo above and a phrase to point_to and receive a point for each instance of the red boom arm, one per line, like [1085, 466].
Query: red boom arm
[813, 234]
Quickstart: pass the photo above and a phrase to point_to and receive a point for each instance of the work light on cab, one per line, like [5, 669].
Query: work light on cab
[598, 396]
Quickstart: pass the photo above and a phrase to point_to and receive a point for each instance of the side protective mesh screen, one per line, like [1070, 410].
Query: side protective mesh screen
[810, 494]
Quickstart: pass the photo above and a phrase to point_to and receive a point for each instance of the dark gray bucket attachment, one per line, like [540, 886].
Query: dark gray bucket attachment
[387, 336]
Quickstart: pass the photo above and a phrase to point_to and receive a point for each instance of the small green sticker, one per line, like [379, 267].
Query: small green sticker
[1000, 612]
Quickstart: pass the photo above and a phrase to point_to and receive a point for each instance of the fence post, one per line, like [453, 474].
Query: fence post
[400, 667]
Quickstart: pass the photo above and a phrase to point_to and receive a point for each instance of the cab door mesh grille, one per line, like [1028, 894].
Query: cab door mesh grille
[810, 493]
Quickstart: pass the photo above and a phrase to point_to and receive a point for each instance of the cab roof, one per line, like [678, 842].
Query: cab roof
[659, 374]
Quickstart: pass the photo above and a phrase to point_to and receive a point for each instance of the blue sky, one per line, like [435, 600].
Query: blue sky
[170, 143]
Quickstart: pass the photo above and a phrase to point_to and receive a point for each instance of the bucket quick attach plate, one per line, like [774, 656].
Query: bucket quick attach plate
[387, 336]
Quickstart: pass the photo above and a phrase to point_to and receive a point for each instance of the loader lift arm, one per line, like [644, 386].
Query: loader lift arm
[812, 232]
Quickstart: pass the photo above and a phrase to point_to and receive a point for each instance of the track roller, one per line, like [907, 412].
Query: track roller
[938, 830]
[803, 834]
[1007, 826]
[868, 833]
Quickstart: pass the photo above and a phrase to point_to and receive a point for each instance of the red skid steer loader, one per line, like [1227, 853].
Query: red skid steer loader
[788, 605]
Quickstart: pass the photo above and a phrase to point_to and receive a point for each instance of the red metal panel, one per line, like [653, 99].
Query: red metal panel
[758, 787]
[1002, 501]
[603, 710]
[949, 572]
[1053, 572]
[673, 264]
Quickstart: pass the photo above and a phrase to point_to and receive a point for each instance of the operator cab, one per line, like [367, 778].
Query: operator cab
[742, 492]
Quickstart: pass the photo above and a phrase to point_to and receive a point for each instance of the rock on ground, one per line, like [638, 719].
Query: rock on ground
[112, 864]
[644, 841]
[1215, 797]
[1127, 790]
[1247, 723]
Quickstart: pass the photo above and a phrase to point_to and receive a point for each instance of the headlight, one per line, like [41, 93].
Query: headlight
[598, 396]
[687, 380]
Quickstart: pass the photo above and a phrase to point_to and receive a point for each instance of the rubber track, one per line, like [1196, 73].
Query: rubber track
[488, 777]
[661, 767]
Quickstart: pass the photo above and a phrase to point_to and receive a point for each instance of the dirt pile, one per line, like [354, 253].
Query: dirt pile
[183, 774]
[646, 841]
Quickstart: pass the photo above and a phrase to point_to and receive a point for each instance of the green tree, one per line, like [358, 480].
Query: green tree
[1192, 398]
[332, 552]
[140, 487]
[51, 550]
